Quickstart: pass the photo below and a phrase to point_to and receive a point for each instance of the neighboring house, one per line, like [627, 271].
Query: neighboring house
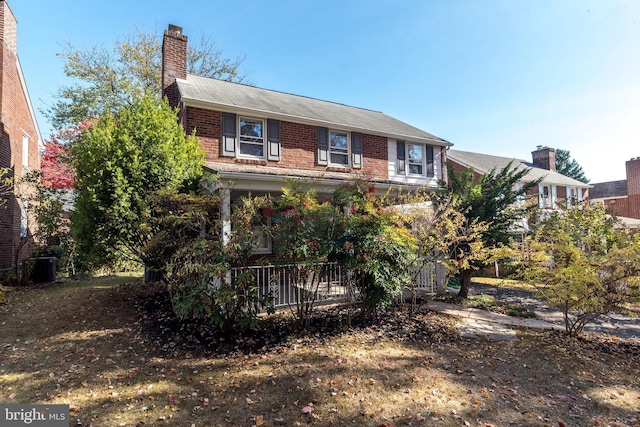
[257, 138]
[622, 197]
[19, 143]
[553, 189]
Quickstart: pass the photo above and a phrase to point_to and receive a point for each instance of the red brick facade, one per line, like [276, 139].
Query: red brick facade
[545, 158]
[633, 187]
[174, 46]
[16, 124]
[616, 199]
[298, 141]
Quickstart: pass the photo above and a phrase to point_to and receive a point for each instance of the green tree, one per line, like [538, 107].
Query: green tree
[6, 185]
[567, 166]
[304, 231]
[107, 79]
[444, 234]
[497, 199]
[375, 246]
[187, 244]
[46, 206]
[119, 161]
[584, 263]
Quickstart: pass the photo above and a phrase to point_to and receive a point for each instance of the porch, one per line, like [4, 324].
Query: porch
[289, 284]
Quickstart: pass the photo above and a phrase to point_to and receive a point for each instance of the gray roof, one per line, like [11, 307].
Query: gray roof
[602, 190]
[484, 163]
[234, 96]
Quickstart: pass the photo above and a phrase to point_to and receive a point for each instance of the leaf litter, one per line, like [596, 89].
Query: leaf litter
[405, 369]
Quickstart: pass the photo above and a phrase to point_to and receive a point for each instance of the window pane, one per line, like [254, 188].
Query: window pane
[341, 159]
[250, 149]
[251, 128]
[338, 141]
[415, 153]
[415, 169]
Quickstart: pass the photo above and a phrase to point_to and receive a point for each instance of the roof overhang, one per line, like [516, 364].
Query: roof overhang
[198, 103]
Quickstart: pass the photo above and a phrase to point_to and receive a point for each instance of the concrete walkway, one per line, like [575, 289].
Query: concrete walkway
[475, 322]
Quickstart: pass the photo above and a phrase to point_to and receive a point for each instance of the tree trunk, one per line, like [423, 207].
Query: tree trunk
[465, 283]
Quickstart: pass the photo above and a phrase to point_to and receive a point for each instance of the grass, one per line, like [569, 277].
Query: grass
[85, 344]
[506, 283]
[489, 303]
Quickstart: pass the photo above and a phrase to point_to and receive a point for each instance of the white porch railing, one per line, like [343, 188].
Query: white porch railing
[332, 286]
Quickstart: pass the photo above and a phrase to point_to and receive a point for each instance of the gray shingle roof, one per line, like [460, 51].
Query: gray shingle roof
[234, 96]
[484, 163]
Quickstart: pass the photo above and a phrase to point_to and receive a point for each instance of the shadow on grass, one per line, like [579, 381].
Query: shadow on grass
[88, 346]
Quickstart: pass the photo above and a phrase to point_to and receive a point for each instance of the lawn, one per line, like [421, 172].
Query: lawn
[118, 363]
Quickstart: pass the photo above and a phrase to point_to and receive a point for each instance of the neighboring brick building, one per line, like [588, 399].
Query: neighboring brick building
[19, 141]
[621, 197]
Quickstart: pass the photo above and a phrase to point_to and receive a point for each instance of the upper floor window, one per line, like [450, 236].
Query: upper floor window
[415, 159]
[338, 148]
[250, 137]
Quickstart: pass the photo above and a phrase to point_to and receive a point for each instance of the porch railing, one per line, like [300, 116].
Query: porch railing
[332, 286]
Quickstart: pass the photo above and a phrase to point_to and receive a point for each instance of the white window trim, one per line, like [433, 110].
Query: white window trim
[409, 163]
[329, 150]
[240, 142]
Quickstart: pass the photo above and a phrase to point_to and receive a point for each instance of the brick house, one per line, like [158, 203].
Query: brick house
[621, 197]
[255, 139]
[19, 142]
[554, 189]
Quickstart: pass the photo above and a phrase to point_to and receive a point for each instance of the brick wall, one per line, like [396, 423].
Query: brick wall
[298, 144]
[15, 120]
[633, 187]
[618, 206]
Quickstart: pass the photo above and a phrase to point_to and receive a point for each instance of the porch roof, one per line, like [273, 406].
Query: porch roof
[251, 176]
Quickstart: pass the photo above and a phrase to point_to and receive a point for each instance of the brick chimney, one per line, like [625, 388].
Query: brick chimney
[174, 62]
[8, 27]
[8, 42]
[545, 158]
[633, 187]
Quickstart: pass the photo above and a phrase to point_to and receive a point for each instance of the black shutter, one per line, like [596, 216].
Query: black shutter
[400, 156]
[273, 139]
[430, 170]
[323, 146]
[356, 149]
[228, 134]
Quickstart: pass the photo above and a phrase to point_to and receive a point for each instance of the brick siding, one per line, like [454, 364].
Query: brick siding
[633, 187]
[298, 144]
[16, 121]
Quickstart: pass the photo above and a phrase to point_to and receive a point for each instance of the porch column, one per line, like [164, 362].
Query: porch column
[225, 207]
[226, 216]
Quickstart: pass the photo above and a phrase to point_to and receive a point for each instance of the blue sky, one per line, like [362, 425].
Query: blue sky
[497, 77]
